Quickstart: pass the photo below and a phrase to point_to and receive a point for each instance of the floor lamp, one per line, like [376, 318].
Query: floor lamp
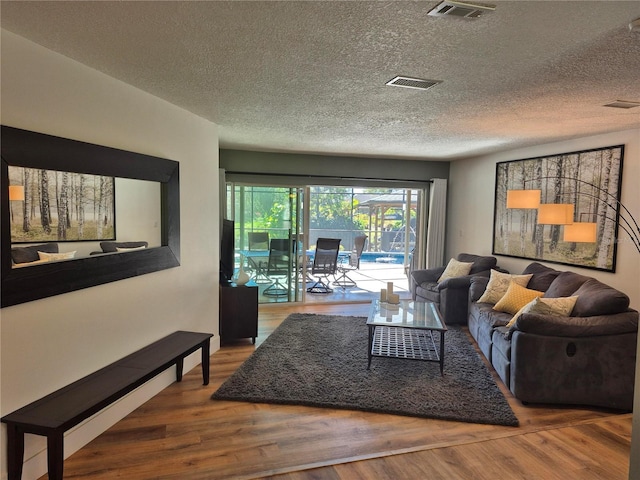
[563, 213]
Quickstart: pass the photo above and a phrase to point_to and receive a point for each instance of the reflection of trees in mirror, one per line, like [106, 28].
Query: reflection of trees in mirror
[62, 206]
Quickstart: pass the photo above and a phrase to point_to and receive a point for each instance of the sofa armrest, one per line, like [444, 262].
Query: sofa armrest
[556, 326]
[477, 287]
[427, 275]
[455, 282]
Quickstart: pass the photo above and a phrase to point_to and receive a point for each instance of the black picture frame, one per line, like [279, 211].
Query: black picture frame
[37, 150]
[589, 179]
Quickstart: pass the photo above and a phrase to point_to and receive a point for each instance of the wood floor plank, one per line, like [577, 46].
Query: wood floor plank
[182, 434]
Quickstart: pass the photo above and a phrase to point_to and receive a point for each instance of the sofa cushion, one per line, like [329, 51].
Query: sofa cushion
[455, 268]
[499, 284]
[480, 263]
[112, 247]
[542, 277]
[132, 249]
[516, 298]
[565, 285]
[561, 306]
[501, 354]
[52, 257]
[596, 298]
[478, 287]
[30, 254]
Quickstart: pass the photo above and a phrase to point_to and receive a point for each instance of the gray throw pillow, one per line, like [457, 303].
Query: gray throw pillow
[30, 254]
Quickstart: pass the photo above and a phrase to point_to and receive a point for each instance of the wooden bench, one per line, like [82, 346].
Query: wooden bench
[56, 413]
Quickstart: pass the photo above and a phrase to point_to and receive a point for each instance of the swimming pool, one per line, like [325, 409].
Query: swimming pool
[383, 257]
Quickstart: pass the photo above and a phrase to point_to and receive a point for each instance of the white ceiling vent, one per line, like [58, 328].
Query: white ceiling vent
[416, 83]
[623, 104]
[461, 9]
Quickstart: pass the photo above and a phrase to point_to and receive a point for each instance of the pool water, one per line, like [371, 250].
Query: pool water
[383, 257]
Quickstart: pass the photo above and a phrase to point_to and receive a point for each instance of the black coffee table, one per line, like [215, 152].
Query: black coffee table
[409, 330]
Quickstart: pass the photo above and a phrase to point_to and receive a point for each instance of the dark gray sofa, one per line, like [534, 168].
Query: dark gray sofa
[587, 358]
[24, 255]
[451, 295]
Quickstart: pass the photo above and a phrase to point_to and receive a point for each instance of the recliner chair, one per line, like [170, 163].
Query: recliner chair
[451, 296]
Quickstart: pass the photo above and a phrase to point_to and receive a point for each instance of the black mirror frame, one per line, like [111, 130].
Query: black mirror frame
[24, 148]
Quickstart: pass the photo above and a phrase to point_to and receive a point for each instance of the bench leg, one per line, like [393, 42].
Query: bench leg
[205, 362]
[179, 369]
[55, 455]
[206, 348]
[15, 452]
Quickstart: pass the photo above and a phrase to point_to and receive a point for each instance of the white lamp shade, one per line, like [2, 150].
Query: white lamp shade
[16, 192]
[580, 232]
[523, 198]
[555, 213]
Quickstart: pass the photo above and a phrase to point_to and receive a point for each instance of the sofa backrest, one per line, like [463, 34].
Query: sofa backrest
[542, 277]
[594, 297]
[565, 285]
[480, 263]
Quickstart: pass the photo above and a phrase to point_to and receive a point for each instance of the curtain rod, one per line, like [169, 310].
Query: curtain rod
[231, 172]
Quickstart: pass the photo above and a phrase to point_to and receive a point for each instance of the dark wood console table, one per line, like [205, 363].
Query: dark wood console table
[63, 409]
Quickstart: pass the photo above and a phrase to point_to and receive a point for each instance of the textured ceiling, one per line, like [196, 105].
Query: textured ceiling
[309, 76]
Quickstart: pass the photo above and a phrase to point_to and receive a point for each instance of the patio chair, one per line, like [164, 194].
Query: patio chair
[351, 264]
[325, 263]
[278, 267]
[258, 241]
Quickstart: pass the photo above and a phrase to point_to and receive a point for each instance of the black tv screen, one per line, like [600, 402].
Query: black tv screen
[227, 253]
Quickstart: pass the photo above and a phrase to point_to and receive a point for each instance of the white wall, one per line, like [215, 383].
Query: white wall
[470, 223]
[49, 343]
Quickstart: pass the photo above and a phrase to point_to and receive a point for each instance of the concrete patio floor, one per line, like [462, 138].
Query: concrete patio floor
[370, 279]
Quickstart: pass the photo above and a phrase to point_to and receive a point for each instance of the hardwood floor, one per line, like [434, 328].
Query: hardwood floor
[183, 434]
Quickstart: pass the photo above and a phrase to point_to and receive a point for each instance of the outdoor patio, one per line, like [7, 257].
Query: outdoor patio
[370, 279]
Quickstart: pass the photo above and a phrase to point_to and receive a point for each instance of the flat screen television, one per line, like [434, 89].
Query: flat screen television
[227, 252]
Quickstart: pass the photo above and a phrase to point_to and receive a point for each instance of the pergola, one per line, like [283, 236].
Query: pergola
[383, 209]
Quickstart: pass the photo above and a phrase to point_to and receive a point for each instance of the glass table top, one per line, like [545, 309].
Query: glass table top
[407, 314]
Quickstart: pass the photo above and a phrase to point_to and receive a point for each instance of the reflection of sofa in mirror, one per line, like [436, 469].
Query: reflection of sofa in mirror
[114, 247]
[36, 254]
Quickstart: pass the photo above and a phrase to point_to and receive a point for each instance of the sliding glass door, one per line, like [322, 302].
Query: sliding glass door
[268, 238]
[277, 228]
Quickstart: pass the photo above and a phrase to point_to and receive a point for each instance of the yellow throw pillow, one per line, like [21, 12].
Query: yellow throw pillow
[455, 268]
[516, 298]
[561, 306]
[499, 284]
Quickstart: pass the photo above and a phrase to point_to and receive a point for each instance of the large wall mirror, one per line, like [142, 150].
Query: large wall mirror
[122, 212]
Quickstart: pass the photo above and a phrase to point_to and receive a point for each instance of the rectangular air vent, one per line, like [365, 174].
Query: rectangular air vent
[461, 9]
[623, 104]
[408, 82]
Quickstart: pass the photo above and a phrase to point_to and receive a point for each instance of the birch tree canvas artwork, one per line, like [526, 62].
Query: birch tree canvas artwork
[62, 206]
[590, 180]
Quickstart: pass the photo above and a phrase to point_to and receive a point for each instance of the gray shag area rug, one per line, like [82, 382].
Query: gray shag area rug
[321, 361]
